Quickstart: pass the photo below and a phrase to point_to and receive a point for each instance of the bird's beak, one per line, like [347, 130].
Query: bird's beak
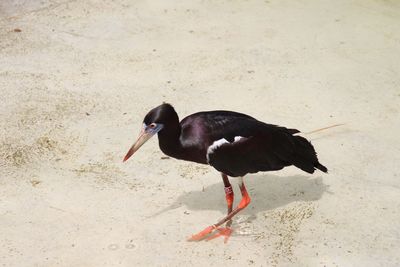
[143, 137]
[145, 134]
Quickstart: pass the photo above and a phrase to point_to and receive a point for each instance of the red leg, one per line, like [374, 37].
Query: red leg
[226, 231]
[243, 204]
[229, 196]
[228, 192]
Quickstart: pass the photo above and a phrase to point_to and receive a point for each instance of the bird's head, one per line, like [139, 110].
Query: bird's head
[155, 120]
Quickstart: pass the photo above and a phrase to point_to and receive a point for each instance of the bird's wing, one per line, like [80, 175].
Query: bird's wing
[266, 151]
[228, 124]
[263, 147]
[243, 155]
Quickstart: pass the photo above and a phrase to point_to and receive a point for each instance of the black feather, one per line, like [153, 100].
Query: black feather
[263, 147]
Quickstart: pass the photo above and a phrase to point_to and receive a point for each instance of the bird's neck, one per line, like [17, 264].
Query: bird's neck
[168, 139]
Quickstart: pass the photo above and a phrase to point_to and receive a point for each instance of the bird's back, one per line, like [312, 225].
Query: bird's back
[227, 124]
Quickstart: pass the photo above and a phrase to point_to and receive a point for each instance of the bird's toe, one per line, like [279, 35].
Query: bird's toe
[226, 232]
[203, 234]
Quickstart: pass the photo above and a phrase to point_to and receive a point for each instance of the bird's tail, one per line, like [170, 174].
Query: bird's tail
[321, 167]
[305, 156]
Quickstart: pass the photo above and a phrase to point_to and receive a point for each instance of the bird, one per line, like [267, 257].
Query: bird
[235, 144]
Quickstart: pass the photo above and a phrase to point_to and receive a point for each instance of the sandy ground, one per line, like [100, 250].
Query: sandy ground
[77, 77]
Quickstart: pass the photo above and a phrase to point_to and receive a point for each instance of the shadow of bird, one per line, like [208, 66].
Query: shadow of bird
[268, 192]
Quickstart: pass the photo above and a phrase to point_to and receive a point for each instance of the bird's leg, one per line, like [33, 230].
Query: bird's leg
[229, 201]
[243, 204]
[228, 195]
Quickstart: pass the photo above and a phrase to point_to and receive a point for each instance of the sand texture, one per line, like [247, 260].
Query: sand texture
[77, 78]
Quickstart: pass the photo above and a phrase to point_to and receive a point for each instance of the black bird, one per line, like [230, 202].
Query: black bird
[233, 143]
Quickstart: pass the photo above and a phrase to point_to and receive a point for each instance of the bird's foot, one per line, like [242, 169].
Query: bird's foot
[208, 234]
[226, 232]
[203, 234]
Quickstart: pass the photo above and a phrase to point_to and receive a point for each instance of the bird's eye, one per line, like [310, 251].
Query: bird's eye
[152, 125]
